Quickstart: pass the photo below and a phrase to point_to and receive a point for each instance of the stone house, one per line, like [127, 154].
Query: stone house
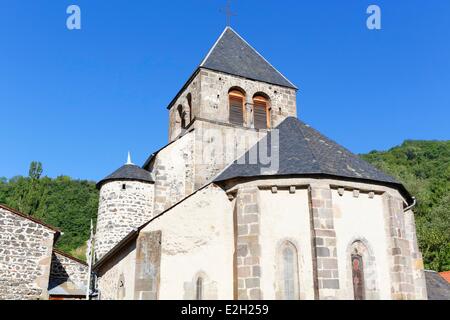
[248, 202]
[30, 266]
[68, 277]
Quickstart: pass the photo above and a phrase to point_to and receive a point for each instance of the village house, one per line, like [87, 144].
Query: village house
[30, 267]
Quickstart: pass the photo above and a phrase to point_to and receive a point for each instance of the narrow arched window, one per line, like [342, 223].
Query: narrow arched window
[288, 284]
[261, 112]
[181, 116]
[199, 289]
[358, 276]
[189, 100]
[237, 107]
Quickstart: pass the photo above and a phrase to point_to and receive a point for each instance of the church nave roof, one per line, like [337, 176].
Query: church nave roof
[304, 151]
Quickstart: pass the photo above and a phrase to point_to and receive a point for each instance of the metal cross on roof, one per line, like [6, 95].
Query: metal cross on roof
[228, 12]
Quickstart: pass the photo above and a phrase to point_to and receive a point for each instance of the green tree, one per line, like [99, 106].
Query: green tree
[62, 202]
[424, 168]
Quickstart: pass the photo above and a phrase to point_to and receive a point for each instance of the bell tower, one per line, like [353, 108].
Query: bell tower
[233, 65]
[232, 99]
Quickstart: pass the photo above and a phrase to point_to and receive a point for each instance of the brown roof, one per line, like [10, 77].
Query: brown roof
[446, 275]
[23, 215]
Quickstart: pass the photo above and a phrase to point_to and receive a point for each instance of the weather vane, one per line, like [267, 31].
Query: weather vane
[228, 12]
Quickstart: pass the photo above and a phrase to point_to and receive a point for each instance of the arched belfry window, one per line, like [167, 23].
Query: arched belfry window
[287, 274]
[237, 107]
[189, 100]
[358, 276]
[181, 116]
[199, 288]
[261, 112]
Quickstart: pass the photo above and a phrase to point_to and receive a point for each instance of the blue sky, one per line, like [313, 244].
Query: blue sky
[79, 100]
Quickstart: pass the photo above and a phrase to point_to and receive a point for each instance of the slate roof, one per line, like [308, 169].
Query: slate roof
[128, 172]
[304, 151]
[437, 287]
[233, 55]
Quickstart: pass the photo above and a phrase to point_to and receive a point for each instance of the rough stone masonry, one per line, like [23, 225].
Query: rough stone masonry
[25, 256]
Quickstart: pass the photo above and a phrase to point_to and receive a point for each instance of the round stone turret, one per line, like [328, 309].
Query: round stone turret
[126, 202]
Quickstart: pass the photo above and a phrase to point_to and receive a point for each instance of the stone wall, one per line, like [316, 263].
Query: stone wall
[406, 268]
[232, 242]
[209, 100]
[248, 245]
[196, 239]
[192, 91]
[217, 145]
[148, 266]
[418, 273]
[325, 241]
[173, 169]
[214, 101]
[65, 269]
[214, 143]
[360, 226]
[116, 277]
[25, 257]
[120, 210]
[288, 223]
[346, 216]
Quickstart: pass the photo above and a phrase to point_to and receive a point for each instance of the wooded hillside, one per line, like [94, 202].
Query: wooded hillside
[423, 166]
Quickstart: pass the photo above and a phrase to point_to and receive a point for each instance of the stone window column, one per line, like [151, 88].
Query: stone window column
[416, 258]
[249, 114]
[402, 282]
[324, 242]
[248, 248]
[148, 264]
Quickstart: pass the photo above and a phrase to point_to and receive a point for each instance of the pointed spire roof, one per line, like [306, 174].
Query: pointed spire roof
[304, 151]
[128, 172]
[233, 55]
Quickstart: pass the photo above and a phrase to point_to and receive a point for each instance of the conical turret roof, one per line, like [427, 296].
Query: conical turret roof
[128, 172]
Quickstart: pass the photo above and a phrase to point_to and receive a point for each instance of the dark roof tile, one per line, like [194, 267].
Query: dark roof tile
[128, 172]
[233, 55]
[303, 150]
[437, 287]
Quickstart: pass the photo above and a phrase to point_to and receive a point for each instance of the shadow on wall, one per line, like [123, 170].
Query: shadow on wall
[58, 274]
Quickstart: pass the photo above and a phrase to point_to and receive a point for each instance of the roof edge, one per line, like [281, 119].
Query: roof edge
[65, 254]
[186, 84]
[135, 232]
[104, 181]
[215, 44]
[251, 79]
[132, 235]
[201, 66]
[285, 78]
[398, 186]
[35, 220]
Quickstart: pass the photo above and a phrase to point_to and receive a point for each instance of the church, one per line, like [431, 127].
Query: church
[248, 202]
